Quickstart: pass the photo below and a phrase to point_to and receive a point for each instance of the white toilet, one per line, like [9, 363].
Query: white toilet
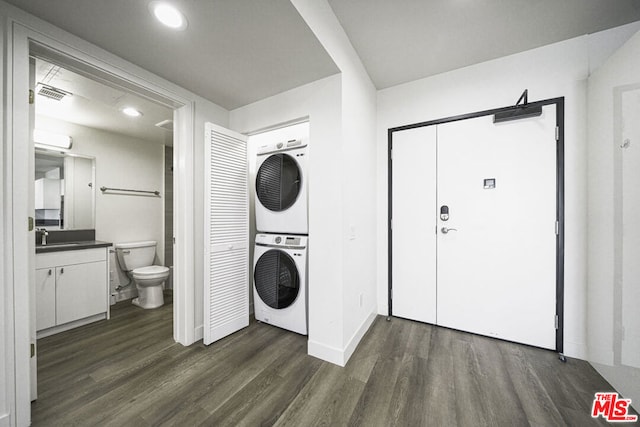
[136, 258]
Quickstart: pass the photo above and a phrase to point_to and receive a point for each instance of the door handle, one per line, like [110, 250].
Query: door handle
[445, 230]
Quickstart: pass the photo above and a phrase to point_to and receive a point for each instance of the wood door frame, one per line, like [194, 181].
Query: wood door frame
[559, 104]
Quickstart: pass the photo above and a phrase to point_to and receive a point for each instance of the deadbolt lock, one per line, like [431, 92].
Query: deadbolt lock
[444, 213]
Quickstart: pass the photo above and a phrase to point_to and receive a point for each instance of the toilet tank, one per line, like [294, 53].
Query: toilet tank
[134, 255]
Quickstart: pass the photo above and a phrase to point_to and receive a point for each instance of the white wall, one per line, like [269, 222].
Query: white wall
[359, 207]
[556, 70]
[357, 176]
[121, 162]
[607, 323]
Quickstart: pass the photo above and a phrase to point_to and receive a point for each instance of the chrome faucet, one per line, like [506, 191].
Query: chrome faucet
[44, 233]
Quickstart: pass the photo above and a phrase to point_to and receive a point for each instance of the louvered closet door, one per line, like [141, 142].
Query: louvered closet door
[226, 275]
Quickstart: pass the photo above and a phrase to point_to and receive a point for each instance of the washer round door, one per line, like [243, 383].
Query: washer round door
[276, 279]
[278, 182]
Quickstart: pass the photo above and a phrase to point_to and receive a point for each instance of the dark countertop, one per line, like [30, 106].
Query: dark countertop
[71, 246]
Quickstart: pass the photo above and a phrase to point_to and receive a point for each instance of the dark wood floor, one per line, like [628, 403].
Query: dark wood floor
[128, 372]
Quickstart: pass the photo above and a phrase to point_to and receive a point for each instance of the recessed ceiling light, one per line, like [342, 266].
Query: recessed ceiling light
[168, 15]
[131, 112]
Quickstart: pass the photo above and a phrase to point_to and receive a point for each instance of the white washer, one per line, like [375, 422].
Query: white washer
[280, 281]
[281, 187]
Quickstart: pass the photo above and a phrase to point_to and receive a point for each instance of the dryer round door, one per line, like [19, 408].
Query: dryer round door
[276, 279]
[278, 182]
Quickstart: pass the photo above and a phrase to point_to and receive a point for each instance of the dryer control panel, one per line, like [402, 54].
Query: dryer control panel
[282, 146]
[281, 240]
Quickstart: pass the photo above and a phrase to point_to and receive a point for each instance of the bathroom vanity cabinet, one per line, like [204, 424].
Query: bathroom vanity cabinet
[71, 289]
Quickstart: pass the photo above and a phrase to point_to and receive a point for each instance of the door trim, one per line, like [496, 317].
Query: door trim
[25, 34]
[559, 104]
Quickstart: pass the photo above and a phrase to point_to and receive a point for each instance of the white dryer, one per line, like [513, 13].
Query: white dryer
[280, 281]
[281, 187]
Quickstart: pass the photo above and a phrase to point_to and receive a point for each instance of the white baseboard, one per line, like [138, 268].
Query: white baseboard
[357, 336]
[199, 333]
[327, 353]
[339, 356]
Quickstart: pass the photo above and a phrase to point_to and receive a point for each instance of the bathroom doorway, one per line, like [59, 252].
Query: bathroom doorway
[125, 141]
[61, 48]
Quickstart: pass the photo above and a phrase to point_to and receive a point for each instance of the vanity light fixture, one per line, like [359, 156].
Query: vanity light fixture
[131, 112]
[168, 15]
[49, 141]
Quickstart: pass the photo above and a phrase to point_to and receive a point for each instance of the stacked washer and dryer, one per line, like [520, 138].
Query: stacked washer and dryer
[280, 254]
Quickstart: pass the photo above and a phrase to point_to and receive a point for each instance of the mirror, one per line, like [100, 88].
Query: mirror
[64, 191]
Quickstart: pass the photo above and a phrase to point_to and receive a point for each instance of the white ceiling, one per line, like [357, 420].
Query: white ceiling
[235, 52]
[404, 40]
[99, 106]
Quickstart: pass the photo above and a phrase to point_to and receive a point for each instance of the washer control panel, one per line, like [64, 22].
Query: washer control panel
[281, 240]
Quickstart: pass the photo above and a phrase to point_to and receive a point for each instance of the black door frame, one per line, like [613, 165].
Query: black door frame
[559, 103]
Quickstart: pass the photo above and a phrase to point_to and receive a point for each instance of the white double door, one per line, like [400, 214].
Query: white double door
[490, 266]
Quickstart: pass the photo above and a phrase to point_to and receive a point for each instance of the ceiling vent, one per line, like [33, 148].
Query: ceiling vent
[51, 92]
[166, 125]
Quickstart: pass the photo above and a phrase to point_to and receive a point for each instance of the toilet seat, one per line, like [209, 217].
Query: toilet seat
[151, 272]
